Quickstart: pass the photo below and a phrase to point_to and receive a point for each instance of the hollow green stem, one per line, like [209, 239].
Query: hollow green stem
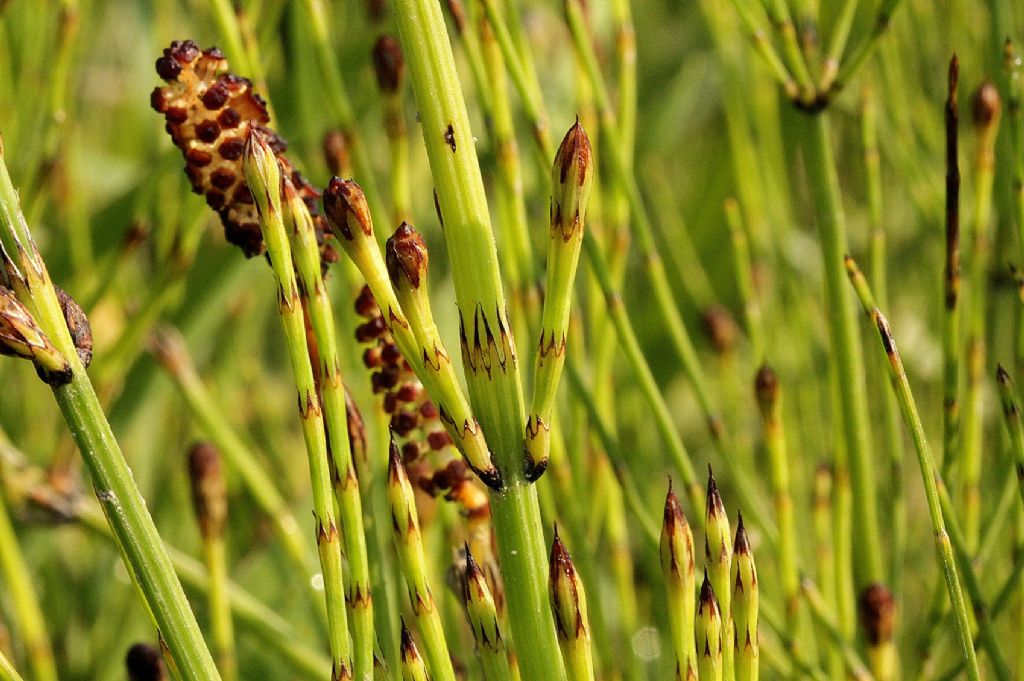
[488, 349]
[846, 354]
[140, 543]
[264, 178]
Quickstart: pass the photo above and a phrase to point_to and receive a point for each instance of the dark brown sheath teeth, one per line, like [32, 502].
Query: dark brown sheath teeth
[204, 106]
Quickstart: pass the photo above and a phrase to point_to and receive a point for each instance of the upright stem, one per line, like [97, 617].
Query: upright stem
[488, 349]
[141, 545]
[846, 350]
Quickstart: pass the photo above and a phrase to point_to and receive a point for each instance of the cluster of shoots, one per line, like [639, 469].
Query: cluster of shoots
[714, 624]
[467, 515]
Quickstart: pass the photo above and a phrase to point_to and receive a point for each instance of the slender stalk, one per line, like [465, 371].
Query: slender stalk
[769, 399]
[137, 537]
[1011, 412]
[930, 478]
[986, 109]
[405, 525]
[890, 411]
[337, 99]
[488, 350]
[951, 319]
[264, 179]
[28, 614]
[821, 517]
[317, 306]
[848, 361]
[389, 66]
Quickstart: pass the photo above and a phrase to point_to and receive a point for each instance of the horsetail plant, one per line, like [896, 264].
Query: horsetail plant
[569, 609]
[316, 307]
[483, 620]
[718, 545]
[571, 180]
[405, 525]
[709, 631]
[679, 572]
[745, 601]
[25, 273]
[349, 217]
[263, 174]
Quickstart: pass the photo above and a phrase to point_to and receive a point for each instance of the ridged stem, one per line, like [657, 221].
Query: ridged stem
[488, 349]
[264, 179]
[137, 537]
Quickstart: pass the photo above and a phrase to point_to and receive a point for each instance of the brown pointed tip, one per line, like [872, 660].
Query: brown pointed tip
[408, 644]
[985, 104]
[1002, 375]
[673, 510]
[954, 74]
[883, 330]
[472, 568]
[575, 154]
[561, 561]
[395, 468]
[766, 386]
[346, 209]
[742, 545]
[707, 592]
[144, 663]
[714, 499]
[388, 64]
[406, 257]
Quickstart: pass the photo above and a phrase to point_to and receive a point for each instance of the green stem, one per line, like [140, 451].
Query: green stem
[31, 622]
[488, 349]
[140, 543]
[845, 343]
[7, 670]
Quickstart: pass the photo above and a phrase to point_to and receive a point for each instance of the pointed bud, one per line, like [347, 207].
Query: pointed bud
[718, 545]
[262, 173]
[413, 666]
[407, 259]
[745, 604]
[347, 211]
[388, 64]
[708, 628]
[144, 663]
[404, 520]
[986, 105]
[568, 601]
[571, 179]
[209, 493]
[677, 567]
[569, 607]
[20, 336]
[480, 607]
